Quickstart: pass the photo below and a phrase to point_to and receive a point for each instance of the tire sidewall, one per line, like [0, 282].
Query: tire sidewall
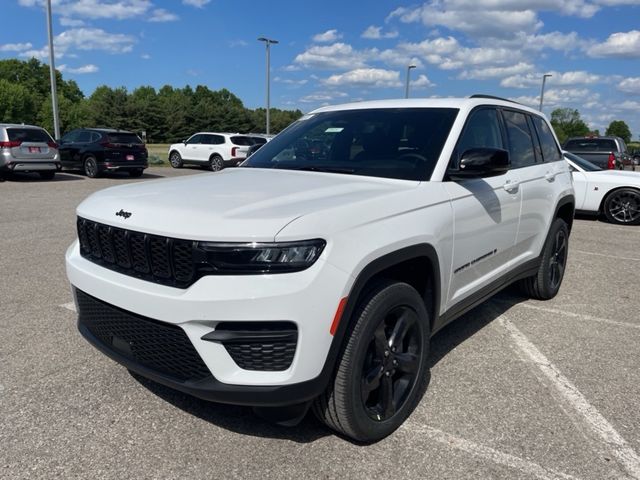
[607, 207]
[95, 164]
[178, 162]
[369, 316]
[216, 160]
[545, 283]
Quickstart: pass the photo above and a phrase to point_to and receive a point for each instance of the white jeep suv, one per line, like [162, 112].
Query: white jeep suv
[213, 150]
[317, 272]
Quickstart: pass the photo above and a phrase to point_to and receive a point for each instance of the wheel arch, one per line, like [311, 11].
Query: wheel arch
[609, 192]
[565, 209]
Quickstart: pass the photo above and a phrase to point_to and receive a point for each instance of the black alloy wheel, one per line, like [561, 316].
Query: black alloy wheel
[558, 259]
[90, 167]
[382, 371]
[391, 364]
[623, 206]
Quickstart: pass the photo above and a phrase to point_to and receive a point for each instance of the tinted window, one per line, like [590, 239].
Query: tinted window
[591, 145]
[84, 137]
[550, 152]
[521, 150]
[217, 139]
[243, 141]
[195, 139]
[122, 137]
[207, 140]
[28, 135]
[71, 137]
[95, 136]
[259, 140]
[393, 143]
[481, 131]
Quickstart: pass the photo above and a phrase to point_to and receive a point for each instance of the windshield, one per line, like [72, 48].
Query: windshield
[581, 162]
[402, 143]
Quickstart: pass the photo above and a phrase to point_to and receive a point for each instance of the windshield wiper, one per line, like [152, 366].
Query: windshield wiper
[319, 168]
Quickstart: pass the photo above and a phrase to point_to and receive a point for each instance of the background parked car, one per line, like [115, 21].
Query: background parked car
[214, 150]
[97, 150]
[607, 153]
[612, 192]
[27, 148]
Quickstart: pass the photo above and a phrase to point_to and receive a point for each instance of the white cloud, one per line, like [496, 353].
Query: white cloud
[328, 36]
[337, 56]
[196, 3]
[621, 44]
[322, 97]
[145, 56]
[422, 81]
[369, 77]
[85, 39]
[15, 47]
[289, 81]
[375, 33]
[562, 79]
[79, 70]
[71, 22]
[238, 43]
[496, 72]
[162, 15]
[560, 97]
[630, 85]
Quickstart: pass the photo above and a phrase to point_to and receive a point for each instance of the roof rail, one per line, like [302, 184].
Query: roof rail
[493, 97]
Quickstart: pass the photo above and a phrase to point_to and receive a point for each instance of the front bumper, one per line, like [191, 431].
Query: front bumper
[307, 299]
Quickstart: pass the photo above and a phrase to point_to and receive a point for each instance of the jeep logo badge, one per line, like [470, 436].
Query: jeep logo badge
[123, 214]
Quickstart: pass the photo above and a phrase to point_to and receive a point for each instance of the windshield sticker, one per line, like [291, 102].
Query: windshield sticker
[334, 130]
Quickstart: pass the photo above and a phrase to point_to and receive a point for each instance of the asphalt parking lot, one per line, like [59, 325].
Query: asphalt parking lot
[519, 388]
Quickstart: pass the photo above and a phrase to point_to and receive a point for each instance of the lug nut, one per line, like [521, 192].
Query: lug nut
[387, 373]
[386, 353]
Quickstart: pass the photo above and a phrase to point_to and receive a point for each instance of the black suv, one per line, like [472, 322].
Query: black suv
[98, 150]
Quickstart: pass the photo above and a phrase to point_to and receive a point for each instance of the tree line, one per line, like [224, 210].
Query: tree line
[567, 123]
[166, 115]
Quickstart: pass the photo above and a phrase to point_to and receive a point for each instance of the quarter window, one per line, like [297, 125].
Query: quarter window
[520, 142]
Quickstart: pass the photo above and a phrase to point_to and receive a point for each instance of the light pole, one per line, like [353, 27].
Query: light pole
[406, 88]
[52, 74]
[268, 42]
[544, 80]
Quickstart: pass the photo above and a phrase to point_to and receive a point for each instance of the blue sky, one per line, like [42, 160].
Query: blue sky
[339, 51]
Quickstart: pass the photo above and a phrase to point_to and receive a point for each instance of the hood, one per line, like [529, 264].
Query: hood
[237, 204]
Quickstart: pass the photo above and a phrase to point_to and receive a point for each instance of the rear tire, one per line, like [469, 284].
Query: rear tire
[49, 175]
[544, 285]
[382, 372]
[91, 167]
[216, 163]
[136, 172]
[622, 206]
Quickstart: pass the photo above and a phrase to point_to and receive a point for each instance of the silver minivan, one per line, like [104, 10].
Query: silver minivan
[27, 148]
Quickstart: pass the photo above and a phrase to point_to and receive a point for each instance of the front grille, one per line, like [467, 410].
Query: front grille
[163, 260]
[161, 347]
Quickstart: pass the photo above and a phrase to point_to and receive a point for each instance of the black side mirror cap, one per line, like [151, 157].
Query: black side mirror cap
[481, 162]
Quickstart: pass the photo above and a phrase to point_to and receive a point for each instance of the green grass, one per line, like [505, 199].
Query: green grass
[158, 153]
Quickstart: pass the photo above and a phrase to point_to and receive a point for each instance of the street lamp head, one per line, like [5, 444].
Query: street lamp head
[547, 75]
[267, 40]
[411, 66]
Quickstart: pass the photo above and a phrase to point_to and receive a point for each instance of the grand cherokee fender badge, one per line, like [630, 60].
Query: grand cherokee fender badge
[123, 214]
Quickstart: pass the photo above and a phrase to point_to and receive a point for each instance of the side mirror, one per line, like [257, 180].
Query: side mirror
[481, 162]
[184, 141]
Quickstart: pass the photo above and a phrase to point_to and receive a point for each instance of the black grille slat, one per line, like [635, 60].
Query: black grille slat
[276, 356]
[159, 346]
[154, 258]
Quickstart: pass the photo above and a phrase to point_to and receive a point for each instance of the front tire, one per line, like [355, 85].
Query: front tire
[544, 285]
[175, 160]
[623, 206]
[216, 163]
[382, 372]
[91, 167]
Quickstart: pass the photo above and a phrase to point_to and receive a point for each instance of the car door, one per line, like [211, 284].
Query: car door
[486, 212]
[66, 148]
[193, 148]
[537, 159]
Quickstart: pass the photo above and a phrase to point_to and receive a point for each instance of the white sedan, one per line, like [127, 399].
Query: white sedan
[616, 193]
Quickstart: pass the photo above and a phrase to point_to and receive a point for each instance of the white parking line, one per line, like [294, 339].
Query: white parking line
[606, 255]
[69, 306]
[592, 417]
[580, 316]
[488, 453]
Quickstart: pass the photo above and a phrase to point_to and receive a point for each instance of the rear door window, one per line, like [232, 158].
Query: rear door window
[84, 137]
[36, 135]
[550, 150]
[521, 149]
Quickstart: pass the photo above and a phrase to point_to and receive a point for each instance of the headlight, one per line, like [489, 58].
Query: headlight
[251, 258]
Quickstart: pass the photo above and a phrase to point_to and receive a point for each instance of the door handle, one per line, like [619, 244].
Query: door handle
[511, 185]
[550, 176]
